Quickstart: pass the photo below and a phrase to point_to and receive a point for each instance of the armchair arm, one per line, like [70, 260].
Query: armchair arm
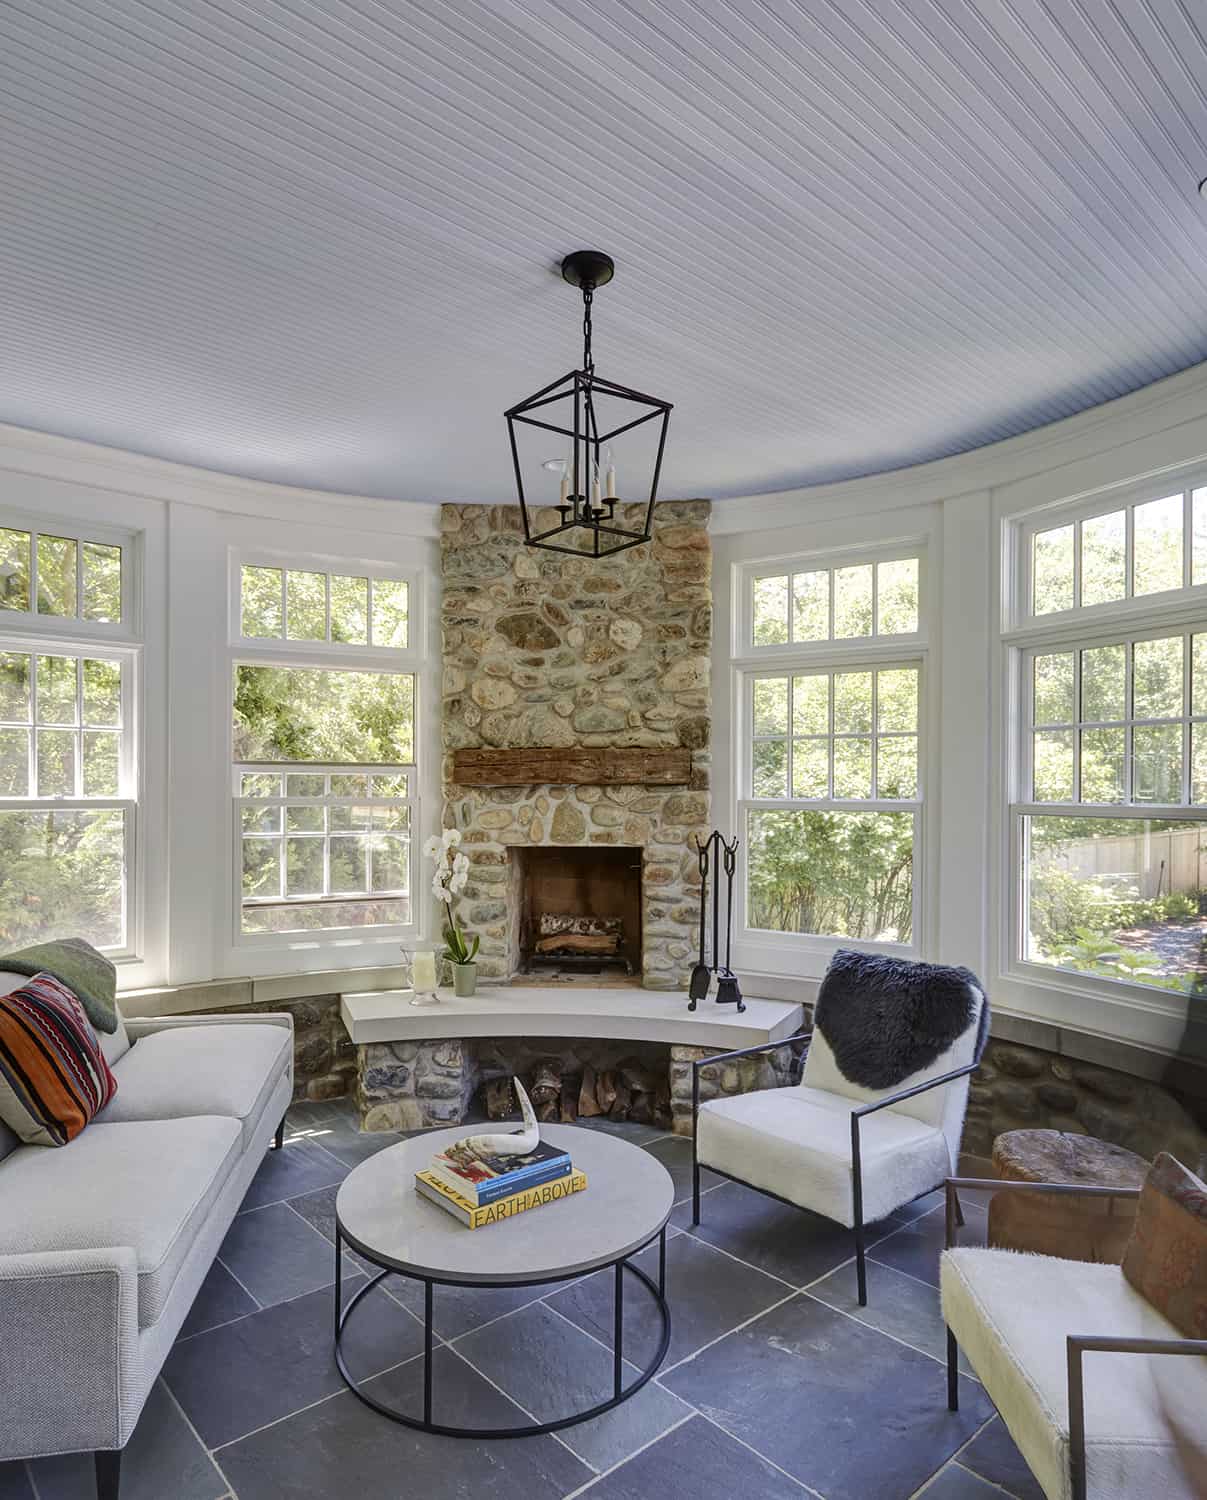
[1010, 1185]
[69, 1378]
[140, 1026]
[1078, 1344]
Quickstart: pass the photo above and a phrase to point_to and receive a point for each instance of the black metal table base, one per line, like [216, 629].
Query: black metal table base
[620, 1392]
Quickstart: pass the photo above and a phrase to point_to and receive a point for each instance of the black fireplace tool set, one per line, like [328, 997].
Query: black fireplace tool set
[715, 855]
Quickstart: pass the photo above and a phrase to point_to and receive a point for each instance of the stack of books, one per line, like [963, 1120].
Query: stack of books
[484, 1189]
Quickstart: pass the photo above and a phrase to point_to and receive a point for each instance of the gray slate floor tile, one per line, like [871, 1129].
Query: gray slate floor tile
[277, 1255]
[897, 1304]
[841, 1407]
[675, 1154]
[695, 1462]
[318, 1209]
[459, 1309]
[637, 1135]
[343, 1448]
[220, 1300]
[237, 1378]
[708, 1294]
[915, 1248]
[14, 1482]
[993, 1455]
[301, 1166]
[957, 1483]
[163, 1457]
[552, 1368]
[783, 1241]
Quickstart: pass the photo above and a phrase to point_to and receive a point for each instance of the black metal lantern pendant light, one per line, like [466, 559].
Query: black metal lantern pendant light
[574, 406]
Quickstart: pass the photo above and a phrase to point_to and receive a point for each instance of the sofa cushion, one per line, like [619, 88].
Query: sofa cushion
[1011, 1314]
[796, 1143]
[1166, 1257]
[146, 1185]
[202, 1070]
[114, 1044]
[53, 1075]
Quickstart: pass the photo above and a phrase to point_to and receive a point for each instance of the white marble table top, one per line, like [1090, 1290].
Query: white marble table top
[626, 1201]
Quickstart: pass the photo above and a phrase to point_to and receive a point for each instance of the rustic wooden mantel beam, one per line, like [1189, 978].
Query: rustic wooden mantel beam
[572, 767]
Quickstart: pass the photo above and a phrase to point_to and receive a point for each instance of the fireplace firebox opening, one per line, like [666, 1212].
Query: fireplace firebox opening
[579, 910]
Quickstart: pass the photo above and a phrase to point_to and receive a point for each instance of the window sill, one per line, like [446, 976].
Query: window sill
[267, 990]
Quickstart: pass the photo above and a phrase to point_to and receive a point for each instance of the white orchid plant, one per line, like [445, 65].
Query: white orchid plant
[448, 881]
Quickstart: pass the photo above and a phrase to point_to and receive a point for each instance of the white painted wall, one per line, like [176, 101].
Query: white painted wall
[960, 509]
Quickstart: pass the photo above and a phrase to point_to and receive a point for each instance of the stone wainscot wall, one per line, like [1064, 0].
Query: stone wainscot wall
[547, 650]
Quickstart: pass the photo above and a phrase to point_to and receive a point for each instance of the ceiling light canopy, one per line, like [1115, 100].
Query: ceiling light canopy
[579, 488]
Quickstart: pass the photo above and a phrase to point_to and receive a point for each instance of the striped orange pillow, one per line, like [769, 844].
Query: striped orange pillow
[53, 1074]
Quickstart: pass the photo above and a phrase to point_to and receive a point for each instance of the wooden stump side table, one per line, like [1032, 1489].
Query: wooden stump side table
[1091, 1228]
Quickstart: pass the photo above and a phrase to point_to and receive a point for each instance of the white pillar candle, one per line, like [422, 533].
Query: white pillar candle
[611, 481]
[423, 971]
[565, 491]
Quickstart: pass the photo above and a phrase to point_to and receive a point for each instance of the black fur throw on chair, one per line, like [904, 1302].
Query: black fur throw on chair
[886, 1018]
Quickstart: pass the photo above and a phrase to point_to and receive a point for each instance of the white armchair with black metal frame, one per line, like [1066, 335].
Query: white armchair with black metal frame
[849, 1153]
[1025, 1323]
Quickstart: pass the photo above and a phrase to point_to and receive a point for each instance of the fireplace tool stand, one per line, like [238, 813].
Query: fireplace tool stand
[715, 855]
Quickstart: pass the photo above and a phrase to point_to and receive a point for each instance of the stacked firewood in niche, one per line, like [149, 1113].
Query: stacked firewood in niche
[628, 1091]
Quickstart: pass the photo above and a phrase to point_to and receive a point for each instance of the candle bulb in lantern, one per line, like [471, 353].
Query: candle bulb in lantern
[609, 475]
[423, 972]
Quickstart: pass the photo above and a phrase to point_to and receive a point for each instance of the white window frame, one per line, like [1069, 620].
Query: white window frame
[808, 954]
[329, 656]
[827, 561]
[1112, 1007]
[48, 627]
[1020, 537]
[341, 566]
[69, 635]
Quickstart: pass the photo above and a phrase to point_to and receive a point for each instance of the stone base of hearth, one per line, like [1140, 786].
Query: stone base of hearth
[415, 1085]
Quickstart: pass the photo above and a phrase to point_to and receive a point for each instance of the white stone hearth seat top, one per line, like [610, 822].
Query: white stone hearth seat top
[513, 1010]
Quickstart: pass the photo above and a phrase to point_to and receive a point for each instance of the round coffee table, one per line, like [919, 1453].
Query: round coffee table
[624, 1208]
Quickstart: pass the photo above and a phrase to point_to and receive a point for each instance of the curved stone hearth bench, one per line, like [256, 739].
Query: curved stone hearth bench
[417, 1066]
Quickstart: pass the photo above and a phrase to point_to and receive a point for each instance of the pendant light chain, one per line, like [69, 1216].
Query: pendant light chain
[588, 358]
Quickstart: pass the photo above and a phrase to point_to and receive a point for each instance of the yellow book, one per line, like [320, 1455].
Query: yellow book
[503, 1208]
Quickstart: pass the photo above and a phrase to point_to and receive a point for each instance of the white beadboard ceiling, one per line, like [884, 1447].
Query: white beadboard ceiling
[313, 241]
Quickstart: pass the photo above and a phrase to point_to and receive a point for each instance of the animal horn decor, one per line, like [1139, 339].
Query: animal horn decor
[513, 1143]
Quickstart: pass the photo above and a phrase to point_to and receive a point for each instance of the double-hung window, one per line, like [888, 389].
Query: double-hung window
[829, 765]
[68, 763]
[323, 749]
[1108, 809]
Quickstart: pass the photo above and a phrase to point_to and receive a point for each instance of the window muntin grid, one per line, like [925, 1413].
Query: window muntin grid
[861, 600]
[62, 720]
[49, 573]
[301, 604]
[1153, 546]
[835, 735]
[325, 834]
[1119, 722]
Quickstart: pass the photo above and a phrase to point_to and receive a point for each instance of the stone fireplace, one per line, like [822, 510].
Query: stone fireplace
[584, 663]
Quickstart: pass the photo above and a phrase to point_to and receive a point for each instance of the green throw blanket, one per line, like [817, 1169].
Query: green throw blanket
[86, 973]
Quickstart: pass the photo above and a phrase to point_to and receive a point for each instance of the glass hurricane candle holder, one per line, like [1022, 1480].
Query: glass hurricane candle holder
[423, 979]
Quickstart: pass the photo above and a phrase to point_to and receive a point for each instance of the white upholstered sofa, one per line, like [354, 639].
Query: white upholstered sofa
[104, 1242]
[1101, 1394]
